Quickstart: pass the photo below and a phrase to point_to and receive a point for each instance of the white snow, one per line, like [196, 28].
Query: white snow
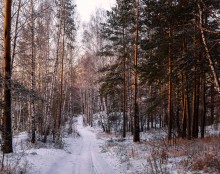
[96, 152]
[81, 156]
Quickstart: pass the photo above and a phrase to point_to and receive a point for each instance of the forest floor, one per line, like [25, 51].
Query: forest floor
[159, 157]
[154, 155]
[75, 155]
[95, 152]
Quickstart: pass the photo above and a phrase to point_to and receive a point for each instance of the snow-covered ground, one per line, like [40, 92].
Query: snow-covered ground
[95, 152]
[80, 156]
[154, 155]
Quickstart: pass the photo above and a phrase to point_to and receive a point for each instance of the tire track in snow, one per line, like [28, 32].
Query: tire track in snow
[97, 164]
[82, 156]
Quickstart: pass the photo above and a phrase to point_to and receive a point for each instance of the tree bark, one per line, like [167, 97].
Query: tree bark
[124, 85]
[61, 82]
[183, 107]
[188, 117]
[203, 108]
[196, 81]
[170, 86]
[136, 136]
[195, 107]
[212, 93]
[33, 127]
[7, 127]
[61, 70]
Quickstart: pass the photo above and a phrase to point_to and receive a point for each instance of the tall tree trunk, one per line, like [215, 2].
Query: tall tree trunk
[130, 100]
[48, 94]
[183, 90]
[61, 68]
[7, 127]
[188, 117]
[82, 101]
[183, 107]
[203, 107]
[61, 82]
[212, 93]
[186, 120]
[196, 83]
[54, 79]
[170, 86]
[124, 85]
[195, 108]
[136, 136]
[33, 127]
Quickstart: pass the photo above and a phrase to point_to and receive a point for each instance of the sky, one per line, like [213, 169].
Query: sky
[86, 7]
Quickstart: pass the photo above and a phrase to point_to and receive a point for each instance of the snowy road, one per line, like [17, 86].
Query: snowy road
[80, 157]
[89, 159]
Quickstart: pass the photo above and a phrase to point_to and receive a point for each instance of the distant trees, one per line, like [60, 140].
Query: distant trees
[66, 29]
[88, 66]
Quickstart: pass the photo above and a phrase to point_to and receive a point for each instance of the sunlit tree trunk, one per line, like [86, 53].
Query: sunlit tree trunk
[61, 82]
[195, 86]
[136, 136]
[53, 83]
[7, 127]
[49, 90]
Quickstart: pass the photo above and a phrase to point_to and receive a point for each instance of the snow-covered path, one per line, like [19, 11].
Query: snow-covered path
[89, 159]
[80, 157]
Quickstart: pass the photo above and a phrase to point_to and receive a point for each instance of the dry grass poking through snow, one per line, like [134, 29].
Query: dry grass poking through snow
[158, 157]
[202, 154]
[198, 155]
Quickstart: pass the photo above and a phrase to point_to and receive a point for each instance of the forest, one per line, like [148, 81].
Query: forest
[142, 67]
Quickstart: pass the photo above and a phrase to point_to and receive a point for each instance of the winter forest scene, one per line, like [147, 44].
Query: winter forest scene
[110, 87]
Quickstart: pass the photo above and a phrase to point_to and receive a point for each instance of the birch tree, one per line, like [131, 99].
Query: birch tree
[33, 126]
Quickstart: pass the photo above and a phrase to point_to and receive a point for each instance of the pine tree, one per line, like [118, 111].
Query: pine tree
[117, 31]
[7, 128]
